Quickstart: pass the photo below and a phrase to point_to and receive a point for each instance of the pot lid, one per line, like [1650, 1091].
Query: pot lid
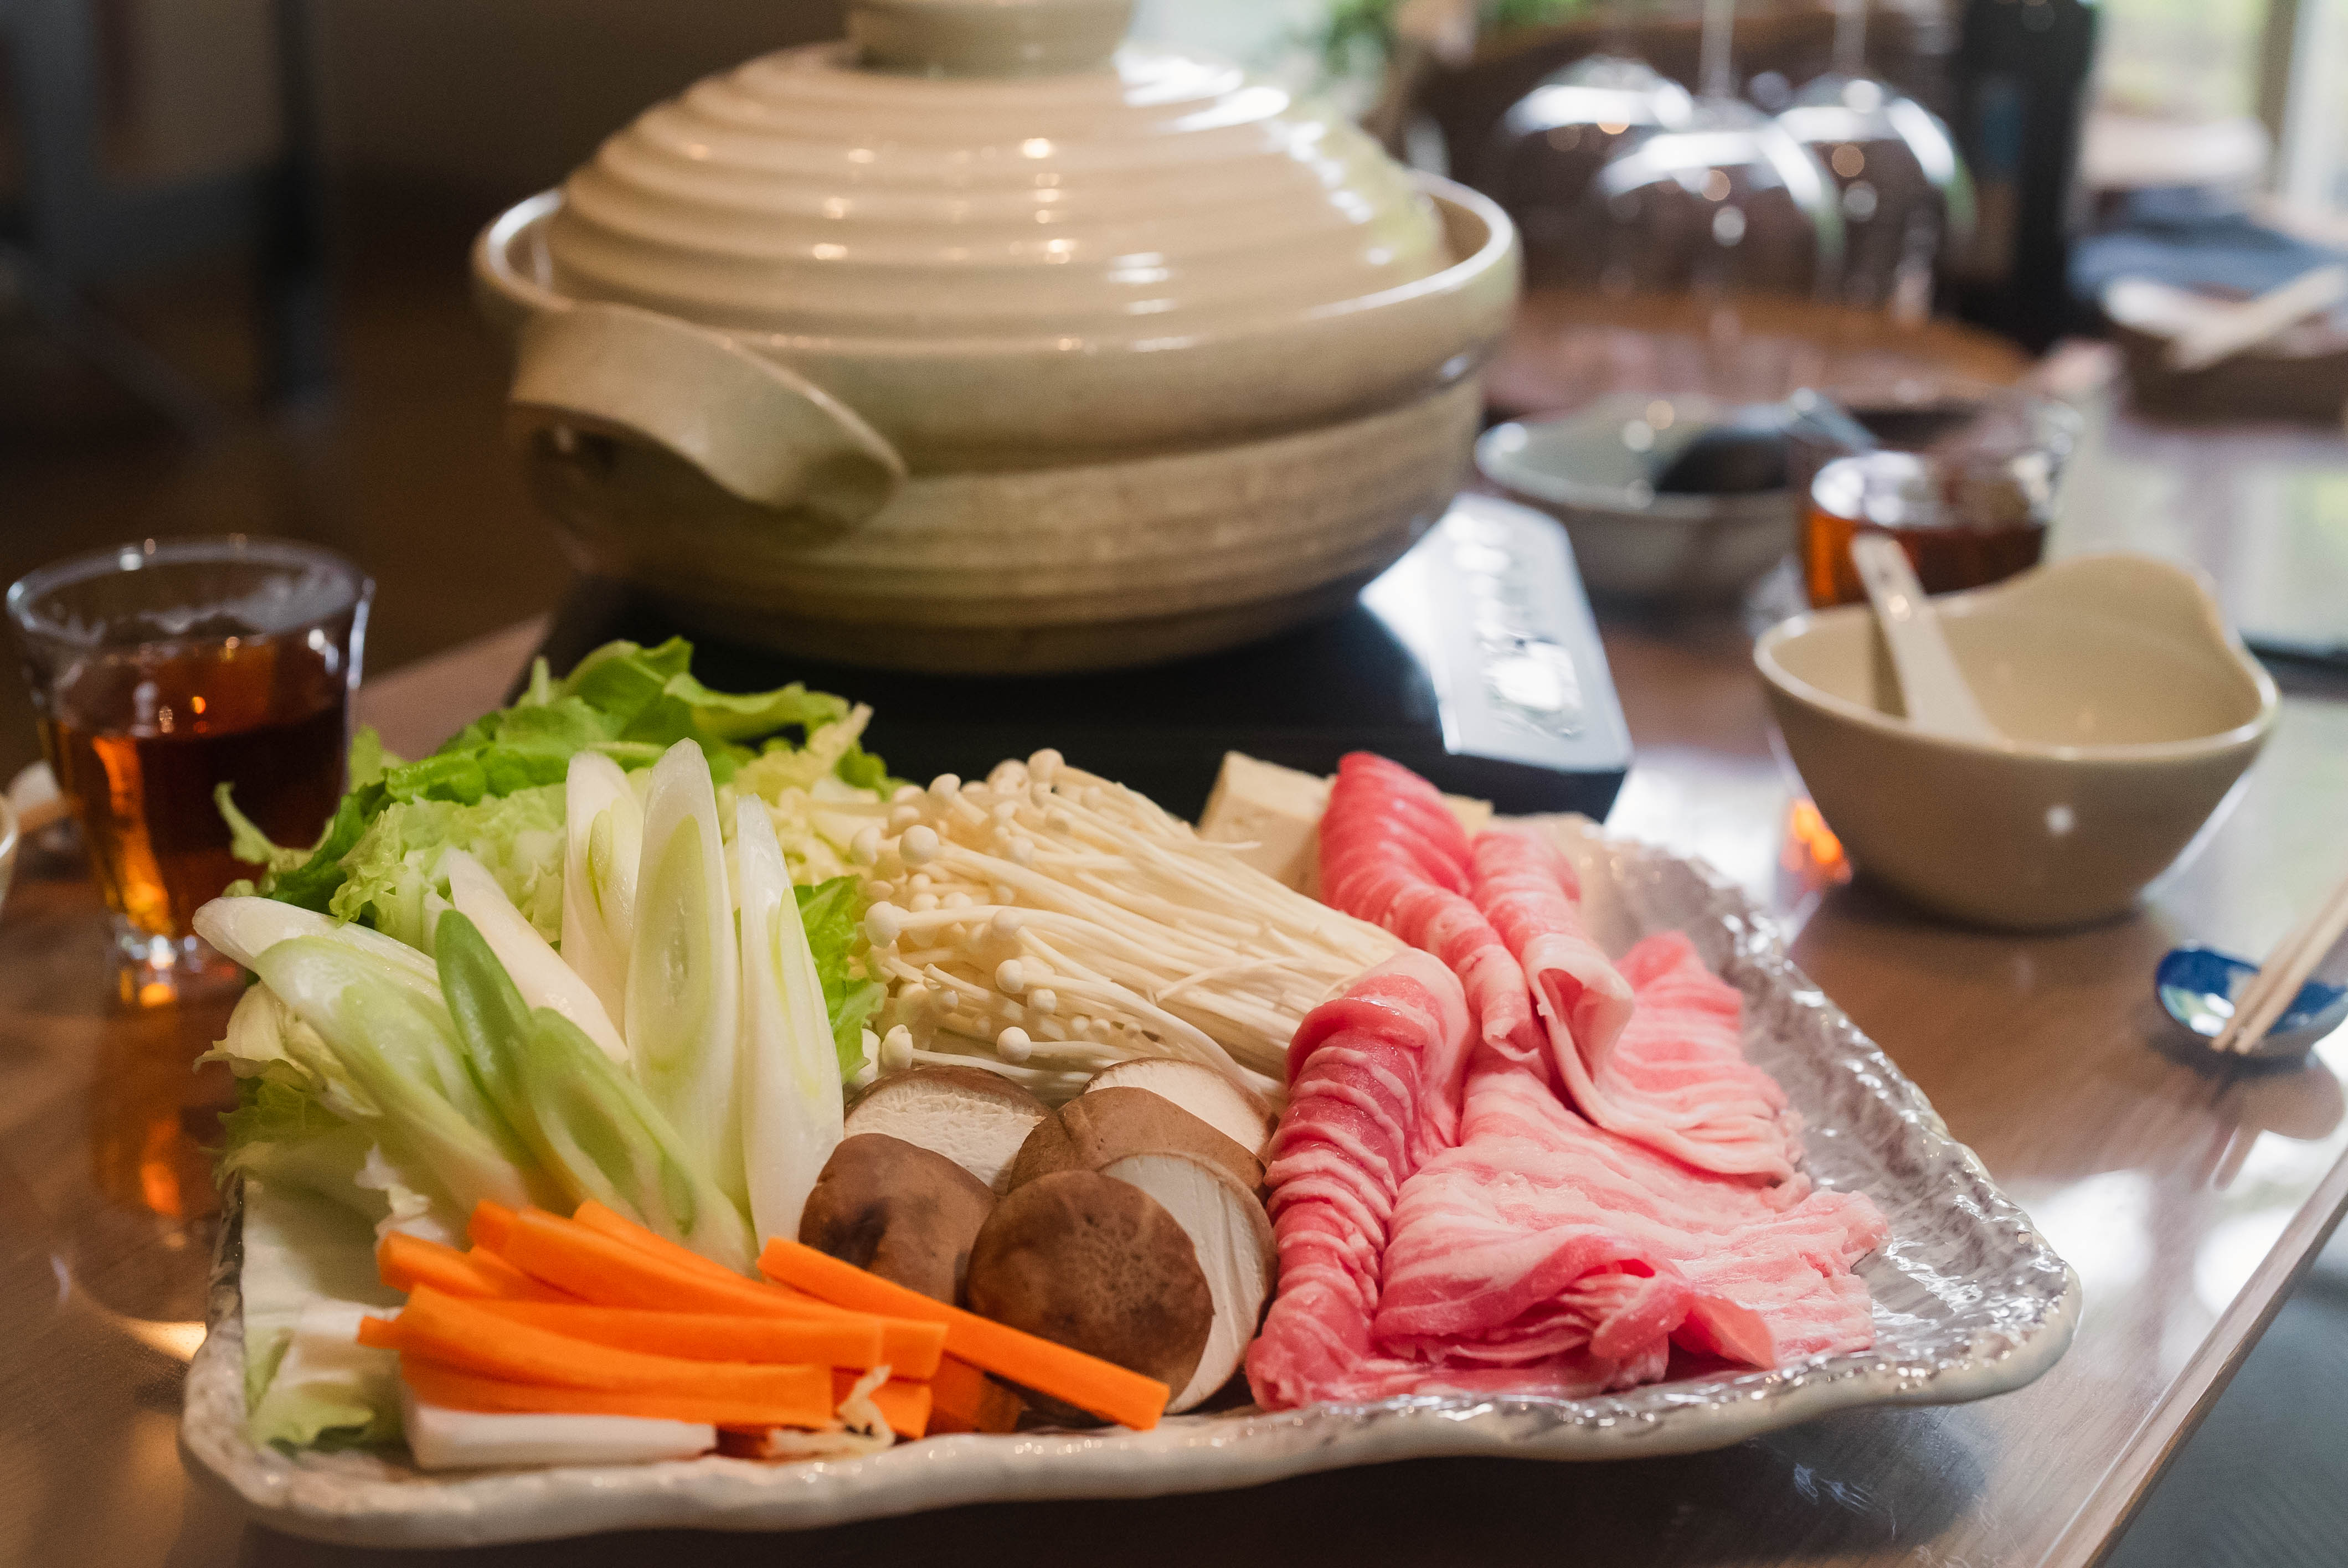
[990, 169]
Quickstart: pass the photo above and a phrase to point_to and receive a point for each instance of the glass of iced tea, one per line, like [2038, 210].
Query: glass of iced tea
[165, 669]
[1970, 502]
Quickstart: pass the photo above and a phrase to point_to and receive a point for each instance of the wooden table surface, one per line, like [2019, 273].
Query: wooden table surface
[2188, 1196]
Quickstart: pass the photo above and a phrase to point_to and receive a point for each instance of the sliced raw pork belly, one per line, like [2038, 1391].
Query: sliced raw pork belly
[1358, 1068]
[1392, 854]
[1532, 896]
[1491, 1238]
[1382, 818]
[1575, 1258]
[1670, 1074]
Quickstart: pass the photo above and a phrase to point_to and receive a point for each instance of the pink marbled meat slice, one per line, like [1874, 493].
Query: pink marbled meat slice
[1670, 1073]
[1576, 1257]
[1384, 806]
[1532, 896]
[1393, 854]
[1352, 1135]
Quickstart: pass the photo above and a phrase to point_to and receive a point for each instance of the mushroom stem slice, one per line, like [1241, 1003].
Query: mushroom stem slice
[1097, 1266]
[902, 1211]
[1236, 1112]
[1232, 1234]
[1105, 1125]
[976, 1118]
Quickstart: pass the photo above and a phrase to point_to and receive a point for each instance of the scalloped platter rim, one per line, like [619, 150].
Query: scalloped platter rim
[1970, 1302]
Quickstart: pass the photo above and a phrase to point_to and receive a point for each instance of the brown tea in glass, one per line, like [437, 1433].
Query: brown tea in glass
[163, 671]
[1970, 505]
[1957, 533]
[141, 741]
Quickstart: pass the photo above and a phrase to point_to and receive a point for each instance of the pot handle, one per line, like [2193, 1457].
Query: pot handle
[757, 430]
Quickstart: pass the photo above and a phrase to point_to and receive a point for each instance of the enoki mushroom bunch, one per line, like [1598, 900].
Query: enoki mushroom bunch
[1048, 922]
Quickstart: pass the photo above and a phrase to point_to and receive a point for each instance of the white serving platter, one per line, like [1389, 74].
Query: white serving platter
[1970, 1301]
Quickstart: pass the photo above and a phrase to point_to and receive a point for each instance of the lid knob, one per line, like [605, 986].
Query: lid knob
[987, 37]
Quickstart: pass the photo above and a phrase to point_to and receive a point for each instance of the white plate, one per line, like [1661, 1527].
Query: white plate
[1970, 1301]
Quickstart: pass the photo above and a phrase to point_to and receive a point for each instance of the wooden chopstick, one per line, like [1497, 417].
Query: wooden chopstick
[2274, 979]
[2271, 990]
[2277, 984]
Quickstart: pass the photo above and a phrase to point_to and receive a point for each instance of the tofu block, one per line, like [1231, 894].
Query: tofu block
[1274, 811]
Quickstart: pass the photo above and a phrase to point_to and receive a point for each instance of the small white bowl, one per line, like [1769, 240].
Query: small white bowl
[2130, 708]
[1589, 471]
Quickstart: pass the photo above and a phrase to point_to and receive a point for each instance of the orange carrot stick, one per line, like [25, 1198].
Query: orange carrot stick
[964, 1399]
[609, 1273]
[595, 1267]
[511, 1283]
[911, 1348]
[619, 1227]
[905, 1406]
[407, 1261]
[456, 1390]
[845, 1340]
[463, 1335]
[1108, 1391]
[489, 1225]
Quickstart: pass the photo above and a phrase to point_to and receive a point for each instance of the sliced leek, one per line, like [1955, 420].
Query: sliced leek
[789, 1093]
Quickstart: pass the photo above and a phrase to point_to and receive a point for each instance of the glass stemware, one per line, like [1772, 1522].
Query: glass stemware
[1899, 184]
[1553, 141]
[1727, 203]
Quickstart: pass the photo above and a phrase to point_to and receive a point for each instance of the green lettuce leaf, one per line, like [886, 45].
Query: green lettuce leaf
[651, 698]
[781, 765]
[832, 912]
[369, 761]
[629, 702]
[860, 768]
[307, 880]
[391, 872]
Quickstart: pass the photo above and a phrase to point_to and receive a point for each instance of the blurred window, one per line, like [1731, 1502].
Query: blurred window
[2185, 59]
[2284, 62]
[2315, 164]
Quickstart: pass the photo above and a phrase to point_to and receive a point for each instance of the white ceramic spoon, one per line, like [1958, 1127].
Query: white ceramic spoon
[1932, 689]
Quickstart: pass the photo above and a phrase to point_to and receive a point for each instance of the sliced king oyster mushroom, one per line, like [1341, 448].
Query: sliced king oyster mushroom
[1105, 1125]
[976, 1118]
[1231, 1235]
[1100, 1266]
[894, 1209]
[1237, 1112]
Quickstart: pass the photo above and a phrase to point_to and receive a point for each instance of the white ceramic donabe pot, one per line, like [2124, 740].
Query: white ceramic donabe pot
[884, 348]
